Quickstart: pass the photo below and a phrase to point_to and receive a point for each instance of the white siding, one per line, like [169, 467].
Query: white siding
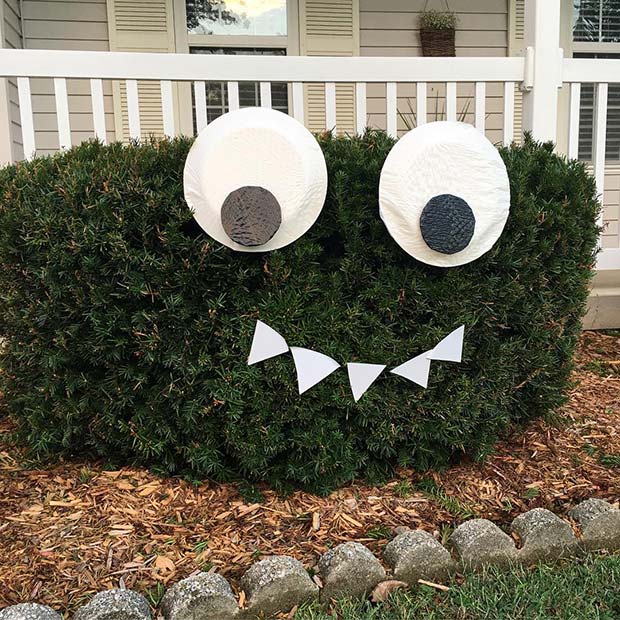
[68, 25]
[13, 40]
[390, 28]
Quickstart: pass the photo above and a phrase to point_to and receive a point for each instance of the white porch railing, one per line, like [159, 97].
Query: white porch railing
[539, 73]
[295, 70]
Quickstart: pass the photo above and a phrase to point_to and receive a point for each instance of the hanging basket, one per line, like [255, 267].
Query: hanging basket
[437, 42]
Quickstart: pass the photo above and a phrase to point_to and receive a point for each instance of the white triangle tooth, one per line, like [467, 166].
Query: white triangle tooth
[450, 348]
[312, 367]
[362, 376]
[266, 343]
[417, 369]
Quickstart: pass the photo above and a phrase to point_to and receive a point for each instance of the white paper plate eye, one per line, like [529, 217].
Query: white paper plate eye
[444, 193]
[256, 179]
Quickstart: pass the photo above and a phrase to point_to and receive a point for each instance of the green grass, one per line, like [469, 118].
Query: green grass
[583, 590]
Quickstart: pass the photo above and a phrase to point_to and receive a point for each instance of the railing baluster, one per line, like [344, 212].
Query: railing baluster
[233, 95]
[25, 116]
[200, 99]
[600, 131]
[298, 101]
[420, 103]
[98, 106]
[391, 104]
[265, 94]
[451, 101]
[509, 112]
[330, 106]
[573, 120]
[62, 113]
[167, 108]
[133, 109]
[360, 107]
[480, 104]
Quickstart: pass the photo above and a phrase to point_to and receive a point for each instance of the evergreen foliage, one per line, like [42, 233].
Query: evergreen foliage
[127, 333]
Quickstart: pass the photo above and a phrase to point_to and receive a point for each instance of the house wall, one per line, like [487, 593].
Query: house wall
[12, 39]
[390, 28]
[611, 231]
[66, 25]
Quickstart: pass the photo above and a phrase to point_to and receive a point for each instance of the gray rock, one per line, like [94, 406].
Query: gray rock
[349, 570]
[600, 524]
[590, 509]
[544, 536]
[29, 611]
[115, 605]
[417, 555]
[478, 542]
[206, 596]
[277, 583]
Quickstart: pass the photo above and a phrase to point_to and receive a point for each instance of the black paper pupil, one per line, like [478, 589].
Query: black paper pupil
[447, 224]
[251, 215]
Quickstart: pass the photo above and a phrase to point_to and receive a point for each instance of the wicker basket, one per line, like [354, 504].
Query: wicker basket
[437, 42]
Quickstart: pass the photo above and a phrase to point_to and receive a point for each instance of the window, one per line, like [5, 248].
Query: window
[252, 27]
[596, 34]
[596, 21]
[586, 117]
[237, 17]
[249, 92]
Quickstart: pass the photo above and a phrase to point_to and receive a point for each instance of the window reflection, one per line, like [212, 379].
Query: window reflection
[237, 17]
[596, 20]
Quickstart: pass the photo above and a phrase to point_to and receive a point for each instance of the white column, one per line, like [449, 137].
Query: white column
[542, 34]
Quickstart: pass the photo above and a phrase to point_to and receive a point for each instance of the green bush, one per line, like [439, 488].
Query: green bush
[127, 336]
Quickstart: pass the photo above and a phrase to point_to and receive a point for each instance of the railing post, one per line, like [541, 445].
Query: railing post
[6, 142]
[543, 68]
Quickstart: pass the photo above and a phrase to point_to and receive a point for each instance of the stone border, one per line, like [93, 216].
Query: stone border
[280, 583]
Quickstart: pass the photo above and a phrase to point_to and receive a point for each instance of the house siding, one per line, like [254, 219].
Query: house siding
[66, 25]
[611, 231]
[12, 30]
[390, 28]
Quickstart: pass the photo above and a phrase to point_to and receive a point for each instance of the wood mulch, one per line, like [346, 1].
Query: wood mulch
[72, 529]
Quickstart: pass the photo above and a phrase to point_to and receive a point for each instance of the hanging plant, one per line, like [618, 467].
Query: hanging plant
[437, 29]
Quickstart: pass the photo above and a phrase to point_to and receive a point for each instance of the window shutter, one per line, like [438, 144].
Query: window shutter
[140, 26]
[516, 41]
[329, 28]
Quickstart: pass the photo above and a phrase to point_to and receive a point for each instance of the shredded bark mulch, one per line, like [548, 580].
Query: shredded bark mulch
[72, 529]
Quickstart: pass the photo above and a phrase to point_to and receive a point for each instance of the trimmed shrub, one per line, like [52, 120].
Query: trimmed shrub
[127, 334]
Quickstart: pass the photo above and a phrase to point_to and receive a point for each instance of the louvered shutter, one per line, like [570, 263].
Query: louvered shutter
[140, 26]
[516, 41]
[329, 28]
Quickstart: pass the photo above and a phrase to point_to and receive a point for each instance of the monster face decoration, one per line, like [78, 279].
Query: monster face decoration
[257, 180]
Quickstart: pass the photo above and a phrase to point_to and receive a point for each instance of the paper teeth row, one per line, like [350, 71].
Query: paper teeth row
[312, 367]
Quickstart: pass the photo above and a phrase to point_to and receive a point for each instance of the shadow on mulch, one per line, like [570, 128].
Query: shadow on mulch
[72, 529]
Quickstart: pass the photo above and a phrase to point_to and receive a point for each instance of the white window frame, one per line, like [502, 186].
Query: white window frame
[593, 47]
[572, 47]
[184, 41]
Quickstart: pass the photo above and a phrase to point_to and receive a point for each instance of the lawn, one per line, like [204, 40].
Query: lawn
[70, 529]
[587, 590]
